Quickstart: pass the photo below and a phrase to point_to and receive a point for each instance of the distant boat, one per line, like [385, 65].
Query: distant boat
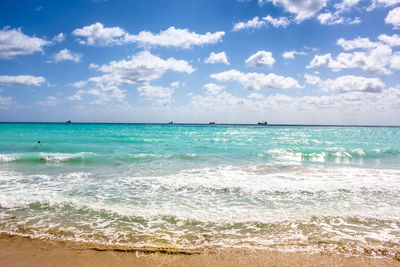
[263, 123]
[68, 122]
[171, 122]
[212, 122]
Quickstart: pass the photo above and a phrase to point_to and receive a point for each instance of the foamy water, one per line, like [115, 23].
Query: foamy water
[185, 186]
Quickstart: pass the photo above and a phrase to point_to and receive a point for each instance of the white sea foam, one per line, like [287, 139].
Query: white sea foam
[59, 157]
[4, 158]
[272, 203]
[44, 156]
[253, 183]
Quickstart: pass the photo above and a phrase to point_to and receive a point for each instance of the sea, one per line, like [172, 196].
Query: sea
[192, 186]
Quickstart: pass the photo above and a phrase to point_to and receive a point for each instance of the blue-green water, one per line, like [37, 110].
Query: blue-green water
[195, 186]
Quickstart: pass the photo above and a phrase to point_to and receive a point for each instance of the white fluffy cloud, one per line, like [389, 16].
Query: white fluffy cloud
[59, 38]
[175, 84]
[350, 83]
[385, 3]
[102, 93]
[97, 34]
[322, 61]
[334, 19]
[256, 23]
[214, 58]
[374, 57]
[260, 59]
[357, 43]
[28, 80]
[326, 18]
[347, 83]
[79, 84]
[162, 95]
[13, 42]
[256, 81]
[375, 62]
[303, 9]
[346, 5]
[393, 40]
[106, 93]
[182, 38]
[77, 96]
[291, 54]
[64, 55]
[140, 68]
[212, 88]
[395, 63]
[255, 96]
[393, 17]
[388, 2]
[281, 22]
[223, 101]
[312, 79]
[377, 58]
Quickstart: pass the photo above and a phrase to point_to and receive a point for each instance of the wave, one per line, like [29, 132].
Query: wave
[4, 158]
[88, 157]
[254, 205]
[147, 156]
[260, 190]
[346, 235]
[41, 157]
[329, 154]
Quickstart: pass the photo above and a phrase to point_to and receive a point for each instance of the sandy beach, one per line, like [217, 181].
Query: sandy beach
[21, 251]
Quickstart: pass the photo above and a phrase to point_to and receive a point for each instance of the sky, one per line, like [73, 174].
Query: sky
[228, 61]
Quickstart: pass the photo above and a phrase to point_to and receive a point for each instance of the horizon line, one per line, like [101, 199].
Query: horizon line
[204, 123]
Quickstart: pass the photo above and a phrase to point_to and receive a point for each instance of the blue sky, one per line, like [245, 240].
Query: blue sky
[285, 61]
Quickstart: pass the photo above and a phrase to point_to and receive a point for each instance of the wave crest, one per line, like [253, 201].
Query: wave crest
[329, 154]
[81, 157]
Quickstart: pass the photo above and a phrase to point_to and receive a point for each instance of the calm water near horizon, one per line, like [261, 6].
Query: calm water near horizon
[196, 186]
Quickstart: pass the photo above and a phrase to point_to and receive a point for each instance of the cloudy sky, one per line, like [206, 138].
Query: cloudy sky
[231, 61]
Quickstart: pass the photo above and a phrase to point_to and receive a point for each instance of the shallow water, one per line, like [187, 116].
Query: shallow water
[194, 186]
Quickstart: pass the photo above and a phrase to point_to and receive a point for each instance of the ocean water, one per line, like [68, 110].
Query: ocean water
[203, 186]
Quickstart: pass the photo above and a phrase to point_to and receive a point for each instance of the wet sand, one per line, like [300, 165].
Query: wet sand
[20, 251]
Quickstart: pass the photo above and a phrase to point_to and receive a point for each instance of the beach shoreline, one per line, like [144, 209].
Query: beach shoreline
[24, 251]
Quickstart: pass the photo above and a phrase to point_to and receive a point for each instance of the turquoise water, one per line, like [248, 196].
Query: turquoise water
[195, 186]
